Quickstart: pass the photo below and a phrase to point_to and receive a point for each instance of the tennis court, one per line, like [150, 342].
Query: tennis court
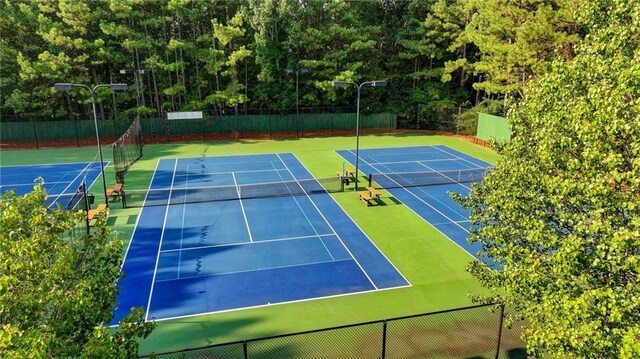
[232, 232]
[61, 180]
[421, 177]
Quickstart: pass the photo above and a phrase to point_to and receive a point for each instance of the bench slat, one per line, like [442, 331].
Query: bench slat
[374, 191]
[91, 214]
[365, 197]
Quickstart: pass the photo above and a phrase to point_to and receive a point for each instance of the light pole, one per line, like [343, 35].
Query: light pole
[377, 83]
[116, 87]
[298, 71]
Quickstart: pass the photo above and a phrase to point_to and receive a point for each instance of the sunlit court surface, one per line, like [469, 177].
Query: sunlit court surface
[198, 247]
[422, 178]
[61, 181]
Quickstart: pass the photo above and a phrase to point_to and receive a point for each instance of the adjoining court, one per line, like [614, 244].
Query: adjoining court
[411, 174]
[61, 181]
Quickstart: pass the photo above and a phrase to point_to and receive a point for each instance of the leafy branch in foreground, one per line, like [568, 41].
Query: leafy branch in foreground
[560, 214]
[57, 289]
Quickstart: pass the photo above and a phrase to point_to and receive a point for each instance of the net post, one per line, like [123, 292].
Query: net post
[370, 180]
[83, 188]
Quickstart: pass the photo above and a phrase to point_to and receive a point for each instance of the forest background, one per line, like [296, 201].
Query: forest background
[439, 57]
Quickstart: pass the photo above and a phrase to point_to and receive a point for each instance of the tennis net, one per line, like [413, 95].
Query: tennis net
[173, 196]
[127, 149]
[69, 201]
[417, 179]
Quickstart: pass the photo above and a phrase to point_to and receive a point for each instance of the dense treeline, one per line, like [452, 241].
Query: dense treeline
[239, 55]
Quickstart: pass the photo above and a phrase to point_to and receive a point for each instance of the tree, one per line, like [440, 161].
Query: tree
[560, 213]
[514, 41]
[56, 290]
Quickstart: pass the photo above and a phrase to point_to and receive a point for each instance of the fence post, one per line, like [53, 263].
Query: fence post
[75, 126]
[35, 132]
[115, 129]
[204, 130]
[237, 128]
[500, 330]
[384, 339]
[244, 349]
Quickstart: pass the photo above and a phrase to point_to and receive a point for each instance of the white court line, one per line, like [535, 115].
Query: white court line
[279, 303]
[164, 226]
[184, 210]
[376, 289]
[412, 161]
[455, 222]
[139, 215]
[57, 196]
[235, 185]
[423, 201]
[361, 231]
[365, 235]
[228, 172]
[304, 213]
[419, 187]
[73, 180]
[330, 226]
[252, 270]
[444, 234]
[443, 174]
[474, 165]
[246, 243]
[244, 214]
[47, 164]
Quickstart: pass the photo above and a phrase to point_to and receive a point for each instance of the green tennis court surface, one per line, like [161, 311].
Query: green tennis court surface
[432, 263]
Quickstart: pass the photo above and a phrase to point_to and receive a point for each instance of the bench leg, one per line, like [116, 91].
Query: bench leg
[124, 199]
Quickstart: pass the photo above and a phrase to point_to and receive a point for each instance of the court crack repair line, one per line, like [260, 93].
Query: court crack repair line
[204, 233]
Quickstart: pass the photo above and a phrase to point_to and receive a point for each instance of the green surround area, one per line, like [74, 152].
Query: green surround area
[434, 265]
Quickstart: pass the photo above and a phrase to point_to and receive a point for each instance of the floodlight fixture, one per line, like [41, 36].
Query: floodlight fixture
[63, 86]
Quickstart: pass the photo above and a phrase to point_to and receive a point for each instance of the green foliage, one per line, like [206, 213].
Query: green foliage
[57, 289]
[560, 214]
[219, 54]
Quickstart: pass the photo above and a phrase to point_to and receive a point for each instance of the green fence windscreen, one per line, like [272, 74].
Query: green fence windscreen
[493, 128]
[75, 132]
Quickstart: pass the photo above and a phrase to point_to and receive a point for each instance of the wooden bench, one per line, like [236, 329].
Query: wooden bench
[92, 213]
[350, 172]
[365, 197]
[115, 191]
[374, 192]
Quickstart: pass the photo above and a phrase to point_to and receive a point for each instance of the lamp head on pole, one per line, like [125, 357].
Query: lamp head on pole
[132, 71]
[339, 83]
[379, 83]
[63, 86]
[118, 87]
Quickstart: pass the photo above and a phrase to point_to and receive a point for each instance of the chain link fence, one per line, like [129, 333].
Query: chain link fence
[452, 119]
[471, 332]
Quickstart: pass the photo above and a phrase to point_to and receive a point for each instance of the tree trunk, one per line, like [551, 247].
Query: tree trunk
[100, 105]
[155, 95]
[114, 107]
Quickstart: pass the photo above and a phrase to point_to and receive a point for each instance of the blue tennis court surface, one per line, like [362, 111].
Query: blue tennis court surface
[194, 258]
[61, 180]
[431, 202]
